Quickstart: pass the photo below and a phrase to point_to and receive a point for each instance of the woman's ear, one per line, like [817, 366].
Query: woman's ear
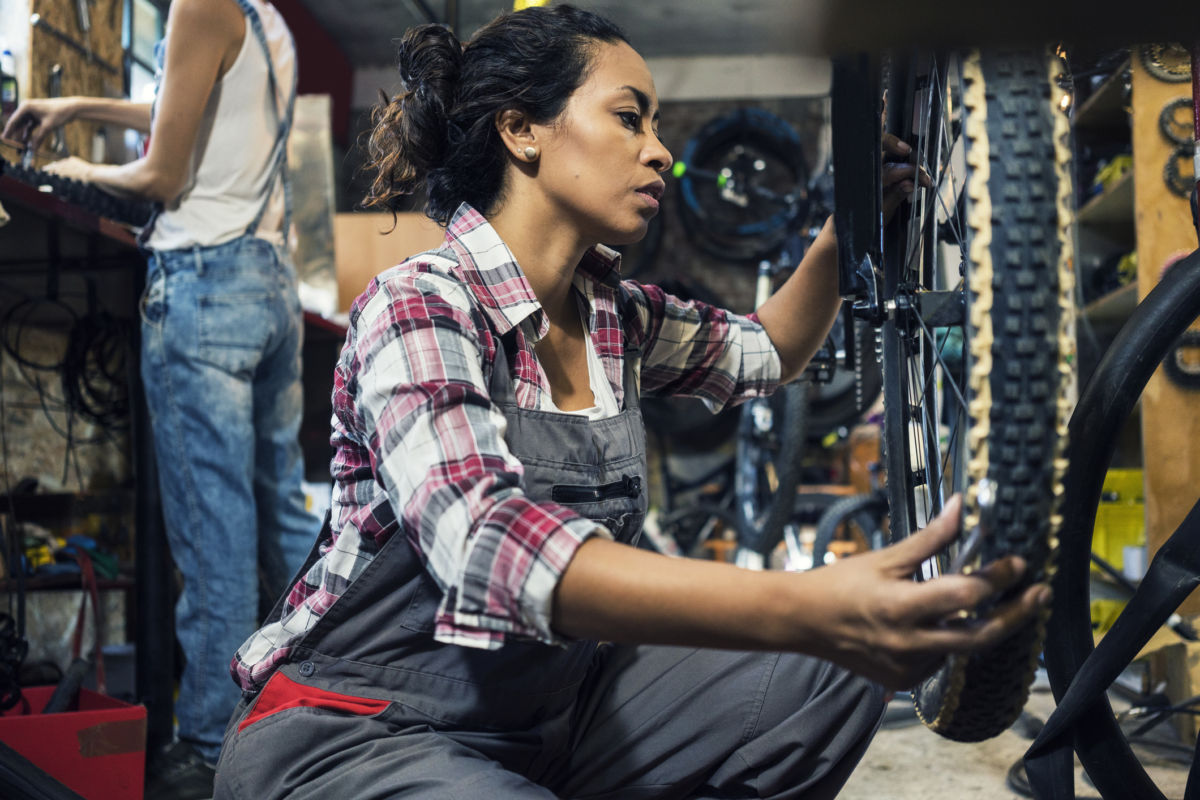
[518, 135]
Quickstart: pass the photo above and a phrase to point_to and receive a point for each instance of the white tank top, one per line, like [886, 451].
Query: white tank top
[231, 165]
[604, 401]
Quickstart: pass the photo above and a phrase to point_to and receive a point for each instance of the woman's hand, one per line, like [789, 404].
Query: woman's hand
[880, 623]
[73, 167]
[35, 119]
[899, 177]
[99, 175]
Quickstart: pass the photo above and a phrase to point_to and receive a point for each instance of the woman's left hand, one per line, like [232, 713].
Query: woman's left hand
[900, 175]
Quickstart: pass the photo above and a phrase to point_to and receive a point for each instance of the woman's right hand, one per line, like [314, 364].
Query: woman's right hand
[35, 119]
[880, 623]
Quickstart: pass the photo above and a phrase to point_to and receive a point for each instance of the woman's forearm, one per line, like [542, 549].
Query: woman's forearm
[125, 113]
[865, 613]
[137, 178]
[615, 592]
[799, 315]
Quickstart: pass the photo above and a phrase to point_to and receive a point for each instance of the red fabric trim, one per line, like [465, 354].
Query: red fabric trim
[281, 693]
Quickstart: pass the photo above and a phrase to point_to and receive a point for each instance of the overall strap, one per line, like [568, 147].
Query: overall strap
[500, 384]
[279, 167]
[627, 309]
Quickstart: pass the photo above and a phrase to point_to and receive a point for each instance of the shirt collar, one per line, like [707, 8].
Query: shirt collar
[490, 271]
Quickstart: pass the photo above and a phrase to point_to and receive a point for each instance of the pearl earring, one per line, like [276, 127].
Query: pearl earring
[530, 153]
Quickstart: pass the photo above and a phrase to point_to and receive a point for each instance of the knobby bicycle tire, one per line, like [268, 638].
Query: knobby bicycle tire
[1017, 343]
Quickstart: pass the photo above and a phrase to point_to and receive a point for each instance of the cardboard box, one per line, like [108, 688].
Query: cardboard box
[1175, 662]
[366, 243]
[98, 749]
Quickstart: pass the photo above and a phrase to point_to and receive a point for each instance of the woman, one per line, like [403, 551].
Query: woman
[221, 336]
[475, 622]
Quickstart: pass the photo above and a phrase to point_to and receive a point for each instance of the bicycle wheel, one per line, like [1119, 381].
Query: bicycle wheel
[742, 185]
[977, 347]
[770, 446]
[864, 512]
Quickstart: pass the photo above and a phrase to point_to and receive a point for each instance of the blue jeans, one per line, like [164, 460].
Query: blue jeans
[221, 338]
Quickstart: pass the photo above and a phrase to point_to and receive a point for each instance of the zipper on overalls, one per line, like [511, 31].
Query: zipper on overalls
[627, 486]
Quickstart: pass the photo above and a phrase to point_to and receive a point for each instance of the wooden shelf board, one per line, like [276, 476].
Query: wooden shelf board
[1105, 107]
[1113, 207]
[66, 505]
[1115, 306]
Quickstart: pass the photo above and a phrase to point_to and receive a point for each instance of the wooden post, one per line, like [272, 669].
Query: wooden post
[1170, 413]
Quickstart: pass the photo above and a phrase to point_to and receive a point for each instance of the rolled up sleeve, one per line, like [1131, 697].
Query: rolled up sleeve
[694, 349]
[438, 446]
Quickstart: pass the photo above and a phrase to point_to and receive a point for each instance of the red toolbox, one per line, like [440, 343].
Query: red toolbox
[97, 749]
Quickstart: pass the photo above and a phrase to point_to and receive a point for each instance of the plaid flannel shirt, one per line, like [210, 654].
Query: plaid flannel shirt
[420, 446]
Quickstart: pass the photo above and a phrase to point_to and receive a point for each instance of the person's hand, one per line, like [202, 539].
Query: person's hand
[885, 626]
[35, 119]
[73, 167]
[900, 175]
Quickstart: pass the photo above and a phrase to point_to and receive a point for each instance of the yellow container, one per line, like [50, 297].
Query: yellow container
[1124, 486]
[1105, 613]
[1120, 516]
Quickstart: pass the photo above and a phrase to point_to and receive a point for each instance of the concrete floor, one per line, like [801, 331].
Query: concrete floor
[909, 762]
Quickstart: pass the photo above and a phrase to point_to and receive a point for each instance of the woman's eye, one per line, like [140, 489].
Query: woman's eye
[629, 118]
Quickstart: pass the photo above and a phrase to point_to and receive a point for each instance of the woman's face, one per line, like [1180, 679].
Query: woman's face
[600, 161]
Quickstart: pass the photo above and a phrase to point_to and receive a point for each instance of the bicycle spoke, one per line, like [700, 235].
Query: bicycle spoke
[955, 185]
[951, 441]
[936, 158]
[946, 367]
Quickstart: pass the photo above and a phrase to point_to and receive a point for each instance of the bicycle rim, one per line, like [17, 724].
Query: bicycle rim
[976, 352]
[769, 454]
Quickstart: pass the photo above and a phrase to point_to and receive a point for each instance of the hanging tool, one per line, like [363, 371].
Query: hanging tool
[39, 23]
[58, 143]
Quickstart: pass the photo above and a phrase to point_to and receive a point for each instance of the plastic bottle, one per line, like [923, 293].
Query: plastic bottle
[10, 95]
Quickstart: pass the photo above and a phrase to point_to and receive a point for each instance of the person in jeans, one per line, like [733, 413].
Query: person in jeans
[221, 337]
[475, 621]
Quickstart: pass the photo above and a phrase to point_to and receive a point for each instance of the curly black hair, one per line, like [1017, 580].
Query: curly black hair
[439, 131]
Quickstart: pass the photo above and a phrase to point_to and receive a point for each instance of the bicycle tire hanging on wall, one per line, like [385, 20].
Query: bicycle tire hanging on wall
[742, 185]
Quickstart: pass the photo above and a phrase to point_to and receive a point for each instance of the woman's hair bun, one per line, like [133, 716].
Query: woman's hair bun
[430, 61]
[408, 132]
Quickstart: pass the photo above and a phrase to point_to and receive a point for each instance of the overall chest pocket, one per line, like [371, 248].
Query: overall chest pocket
[619, 505]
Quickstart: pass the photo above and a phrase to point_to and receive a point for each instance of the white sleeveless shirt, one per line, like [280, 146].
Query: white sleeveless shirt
[231, 164]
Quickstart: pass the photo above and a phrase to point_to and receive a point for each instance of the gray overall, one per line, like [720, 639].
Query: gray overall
[535, 721]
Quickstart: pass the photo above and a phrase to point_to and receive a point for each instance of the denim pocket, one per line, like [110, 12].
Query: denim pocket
[233, 330]
[153, 305]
